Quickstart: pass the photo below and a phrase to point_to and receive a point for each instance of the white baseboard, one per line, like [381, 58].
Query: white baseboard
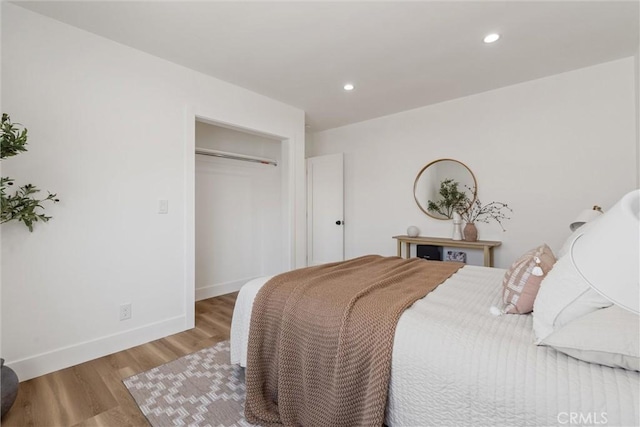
[220, 289]
[65, 357]
[61, 358]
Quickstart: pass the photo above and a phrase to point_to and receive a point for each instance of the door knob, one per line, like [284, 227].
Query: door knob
[338, 222]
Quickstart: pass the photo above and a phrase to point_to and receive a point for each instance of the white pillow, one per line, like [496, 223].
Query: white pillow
[610, 336]
[563, 296]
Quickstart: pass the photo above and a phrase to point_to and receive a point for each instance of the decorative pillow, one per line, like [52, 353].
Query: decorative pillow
[522, 281]
[564, 296]
[609, 336]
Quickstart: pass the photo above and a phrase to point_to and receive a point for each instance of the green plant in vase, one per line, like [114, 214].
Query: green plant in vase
[22, 205]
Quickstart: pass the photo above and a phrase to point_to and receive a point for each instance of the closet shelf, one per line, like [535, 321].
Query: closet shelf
[235, 156]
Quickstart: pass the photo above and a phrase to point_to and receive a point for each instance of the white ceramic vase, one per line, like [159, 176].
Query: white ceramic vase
[457, 226]
[413, 231]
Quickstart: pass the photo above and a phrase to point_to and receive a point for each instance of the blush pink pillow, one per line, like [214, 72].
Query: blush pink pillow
[522, 281]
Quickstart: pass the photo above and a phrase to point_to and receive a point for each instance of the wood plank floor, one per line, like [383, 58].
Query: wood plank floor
[92, 394]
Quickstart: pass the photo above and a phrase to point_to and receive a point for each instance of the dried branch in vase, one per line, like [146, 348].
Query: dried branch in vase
[472, 212]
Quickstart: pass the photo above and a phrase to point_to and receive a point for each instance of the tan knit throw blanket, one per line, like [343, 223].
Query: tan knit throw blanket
[321, 338]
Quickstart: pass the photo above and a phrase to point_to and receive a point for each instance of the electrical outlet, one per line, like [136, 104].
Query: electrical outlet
[125, 311]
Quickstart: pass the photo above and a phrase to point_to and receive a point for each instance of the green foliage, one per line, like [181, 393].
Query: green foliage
[23, 205]
[13, 139]
[451, 198]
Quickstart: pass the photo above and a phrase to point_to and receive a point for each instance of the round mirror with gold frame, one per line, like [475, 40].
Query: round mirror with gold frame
[451, 173]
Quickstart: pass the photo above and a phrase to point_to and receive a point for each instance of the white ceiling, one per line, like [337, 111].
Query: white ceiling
[399, 55]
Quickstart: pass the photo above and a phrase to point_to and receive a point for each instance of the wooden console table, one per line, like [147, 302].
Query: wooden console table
[486, 245]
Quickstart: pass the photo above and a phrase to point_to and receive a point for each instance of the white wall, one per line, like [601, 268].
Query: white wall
[239, 212]
[111, 131]
[549, 148]
[637, 93]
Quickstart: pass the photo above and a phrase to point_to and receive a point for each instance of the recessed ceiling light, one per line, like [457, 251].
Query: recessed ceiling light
[348, 87]
[490, 38]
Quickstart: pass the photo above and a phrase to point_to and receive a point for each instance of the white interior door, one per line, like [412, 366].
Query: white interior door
[325, 209]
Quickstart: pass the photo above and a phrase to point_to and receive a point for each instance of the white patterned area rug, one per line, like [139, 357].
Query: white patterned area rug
[200, 389]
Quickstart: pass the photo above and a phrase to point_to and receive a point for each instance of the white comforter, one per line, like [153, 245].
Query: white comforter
[455, 364]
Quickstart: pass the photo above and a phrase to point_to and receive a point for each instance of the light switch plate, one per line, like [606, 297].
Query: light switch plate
[163, 207]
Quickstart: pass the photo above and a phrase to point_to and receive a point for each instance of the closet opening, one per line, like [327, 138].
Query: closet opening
[240, 206]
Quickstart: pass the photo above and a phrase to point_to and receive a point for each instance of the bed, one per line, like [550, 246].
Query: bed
[454, 363]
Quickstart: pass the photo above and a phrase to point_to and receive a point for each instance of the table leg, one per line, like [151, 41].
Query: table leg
[407, 250]
[488, 262]
[399, 248]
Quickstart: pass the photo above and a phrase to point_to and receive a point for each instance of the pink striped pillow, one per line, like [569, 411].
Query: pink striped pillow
[522, 281]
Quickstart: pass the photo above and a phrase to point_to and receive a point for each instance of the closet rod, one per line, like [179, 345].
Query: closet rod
[234, 156]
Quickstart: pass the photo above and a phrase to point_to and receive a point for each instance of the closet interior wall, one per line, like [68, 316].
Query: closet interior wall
[238, 211]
